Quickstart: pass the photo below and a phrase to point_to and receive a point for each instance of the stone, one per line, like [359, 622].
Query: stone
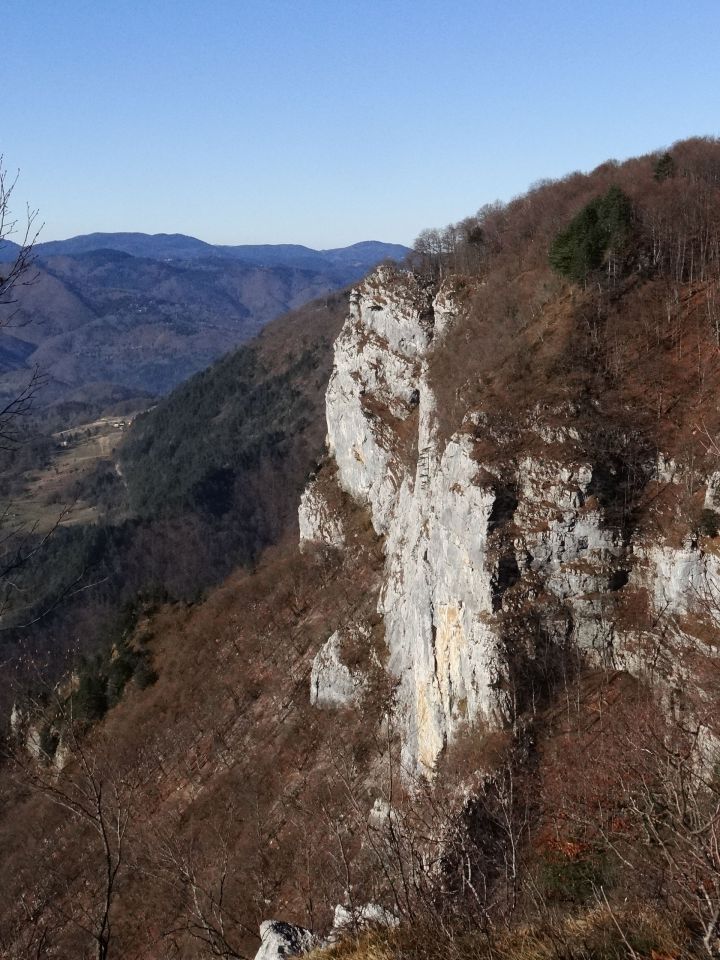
[332, 683]
[318, 523]
[279, 939]
[18, 718]
[348, 920]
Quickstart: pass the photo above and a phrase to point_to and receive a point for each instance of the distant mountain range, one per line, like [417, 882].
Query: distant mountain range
[142, 313]
[177, 246]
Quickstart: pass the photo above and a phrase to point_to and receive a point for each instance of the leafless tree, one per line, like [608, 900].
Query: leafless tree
[100, 807]
[15, 271]
[209, 917]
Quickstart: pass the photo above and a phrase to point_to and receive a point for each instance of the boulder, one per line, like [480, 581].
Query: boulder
[280, 939]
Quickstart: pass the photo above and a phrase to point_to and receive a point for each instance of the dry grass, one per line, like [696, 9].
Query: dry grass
[227, 754]
[601, 933]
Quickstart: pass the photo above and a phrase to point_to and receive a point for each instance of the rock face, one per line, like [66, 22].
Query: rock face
[492, 563]
[279, 939]
[318, 523]
[346, 921]
[332, 683]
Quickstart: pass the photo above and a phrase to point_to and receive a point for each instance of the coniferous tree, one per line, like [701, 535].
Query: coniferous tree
[597, 235]
[664, 167]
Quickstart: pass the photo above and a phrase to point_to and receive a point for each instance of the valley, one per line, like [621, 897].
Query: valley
[62, 491]
[96, 319]
[359, 597]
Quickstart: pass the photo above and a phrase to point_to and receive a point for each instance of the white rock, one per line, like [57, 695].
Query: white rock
[318, 523]
[666, 469]
[682, 579]
[279, 939]
[712, 492]
[62, 755]
[17, 719]
[33, 742]
[332, 683]
[347, 920]
[436, 506]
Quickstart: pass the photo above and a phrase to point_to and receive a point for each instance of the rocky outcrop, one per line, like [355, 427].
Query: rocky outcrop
[318, 522]
[332, 682]
[348, 920]
[279, 939]
[492, 562]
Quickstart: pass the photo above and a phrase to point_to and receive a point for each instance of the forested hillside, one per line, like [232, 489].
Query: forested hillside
[253, 414]
[111, 312]
[473, 709]
[209, 477]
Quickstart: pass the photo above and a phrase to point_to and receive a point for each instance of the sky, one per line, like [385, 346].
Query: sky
[326, 122]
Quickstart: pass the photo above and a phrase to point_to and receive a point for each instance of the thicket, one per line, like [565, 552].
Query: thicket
[662, 207]
[98, 681]
[102, 680]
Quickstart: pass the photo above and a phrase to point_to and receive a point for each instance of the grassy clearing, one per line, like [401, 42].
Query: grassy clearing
[56, 492]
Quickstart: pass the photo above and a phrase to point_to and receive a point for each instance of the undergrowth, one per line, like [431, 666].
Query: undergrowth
[600, 933]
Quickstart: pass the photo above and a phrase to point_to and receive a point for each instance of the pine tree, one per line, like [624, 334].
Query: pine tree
[598, 235]
[664, 167]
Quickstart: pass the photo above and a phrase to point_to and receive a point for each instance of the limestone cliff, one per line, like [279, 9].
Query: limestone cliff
[505, 558]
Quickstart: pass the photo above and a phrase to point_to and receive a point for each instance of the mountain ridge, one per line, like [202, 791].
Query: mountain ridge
[115, 309]
[184, 246]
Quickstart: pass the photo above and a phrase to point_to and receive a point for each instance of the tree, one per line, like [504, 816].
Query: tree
[16, 261]
[597, 235]
[17, 544]
[664, 167]
[16, 258]
[100, 805]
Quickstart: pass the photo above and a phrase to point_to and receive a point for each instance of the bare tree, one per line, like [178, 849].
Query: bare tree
[17, 541]
[209, 917]
[100, 807]
[16, 271]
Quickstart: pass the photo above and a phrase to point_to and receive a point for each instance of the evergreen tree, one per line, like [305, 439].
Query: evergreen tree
[598, 235]
[664, 167]
[90, 699]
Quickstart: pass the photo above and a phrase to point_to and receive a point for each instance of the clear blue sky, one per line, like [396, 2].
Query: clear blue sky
[329, 121]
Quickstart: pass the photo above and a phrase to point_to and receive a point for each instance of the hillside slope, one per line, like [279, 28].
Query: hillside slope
[238, 433]
[212, 475]
[482, 693]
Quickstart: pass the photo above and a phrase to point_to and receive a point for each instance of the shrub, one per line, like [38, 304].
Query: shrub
[710, 523]
[120, 670]
[573, 879]
[664, 167]
[89, 702]
[145, 675]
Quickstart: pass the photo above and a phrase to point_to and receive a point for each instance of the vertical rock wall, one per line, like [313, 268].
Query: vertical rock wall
[470, 546]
